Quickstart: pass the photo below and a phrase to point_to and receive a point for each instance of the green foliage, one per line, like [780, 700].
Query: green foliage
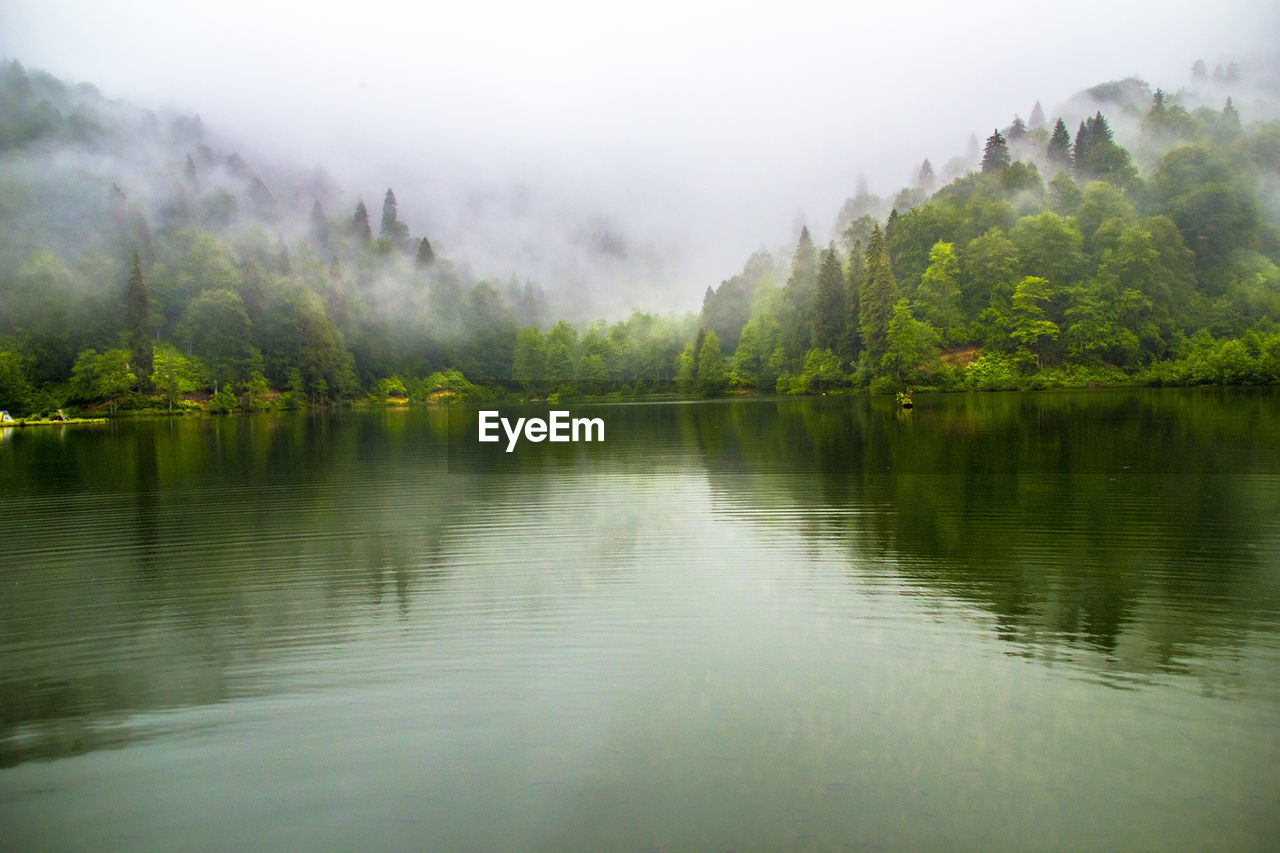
[360, 229]
[561, 365]
[829, 308]
[444, 385]
[392, 228]
[1101, 202]
[1051, 247]
[490, 328]
[530, 357]
[912, 345]
[713, 375]
[1096, 330]
[938, 297]
[822, 371]
[138, 317]
[1064, 195]
[597, 356]
[687, 368]
[174, 374]
[15, 391]
[799, 300]
[884, 385]
[1102, 269]
[256, 391]
[995, 155]
[877, 299]
[1251, 359]
[1059, 150]
[1029, 327]
[390, 387]
[426, 256]
[224, 402]
[1216, 212]
[726, 309]
[103, 376]
[753, 364]
[1107, 161]
[216, 328]
[195, 261]
[993, 372]
[990, 265]
[1098, 157]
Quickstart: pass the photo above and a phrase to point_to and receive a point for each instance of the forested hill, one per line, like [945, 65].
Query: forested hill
[1132, 238]
[1058, 255]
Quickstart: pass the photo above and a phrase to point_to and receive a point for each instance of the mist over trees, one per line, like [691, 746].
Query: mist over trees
[142, 258]
[1052, 259]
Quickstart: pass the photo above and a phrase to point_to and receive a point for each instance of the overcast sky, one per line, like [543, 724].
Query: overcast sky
[699, 131]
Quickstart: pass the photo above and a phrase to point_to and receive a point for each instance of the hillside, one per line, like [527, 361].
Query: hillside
[1131, 238]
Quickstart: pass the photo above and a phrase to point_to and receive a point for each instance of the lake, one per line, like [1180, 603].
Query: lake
[998, 621]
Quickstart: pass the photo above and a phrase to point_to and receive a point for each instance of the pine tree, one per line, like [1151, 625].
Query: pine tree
[392, 228]
[798, 297]
[828, 321]
[995, 157]
[360, 225]
[189, 172]
[1097, 156]
[283, 265]
[1059, 150]
[138, 311]
[1081, 149]
[388, 214]
[426, 256]
[971, 152]
[853, 297]
[1037, 119]
[926, 180]
[1230, 123]
[1016, 131]
[877, 299]
[1198, 71]
[1099, 131]
[319, 226]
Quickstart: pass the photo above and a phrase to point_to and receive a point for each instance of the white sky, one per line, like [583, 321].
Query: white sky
[703, 129]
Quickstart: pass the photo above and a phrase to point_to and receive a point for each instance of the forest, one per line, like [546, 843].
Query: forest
[145, 265]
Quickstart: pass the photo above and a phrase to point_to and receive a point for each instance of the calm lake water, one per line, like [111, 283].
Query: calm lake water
[1039, 621]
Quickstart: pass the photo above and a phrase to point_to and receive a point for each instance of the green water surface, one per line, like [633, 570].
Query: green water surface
[1001, 621]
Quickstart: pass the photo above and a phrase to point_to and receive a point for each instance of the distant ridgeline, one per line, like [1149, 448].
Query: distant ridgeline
[144, 266]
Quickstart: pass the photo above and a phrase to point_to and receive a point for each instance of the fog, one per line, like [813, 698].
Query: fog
[640, 154]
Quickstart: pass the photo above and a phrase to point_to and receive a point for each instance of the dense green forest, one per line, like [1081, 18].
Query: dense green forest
[145, 265]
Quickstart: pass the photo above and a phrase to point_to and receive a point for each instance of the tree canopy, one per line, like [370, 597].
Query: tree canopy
[1141, 251]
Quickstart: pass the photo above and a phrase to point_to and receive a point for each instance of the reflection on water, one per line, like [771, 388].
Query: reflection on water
[800, 624]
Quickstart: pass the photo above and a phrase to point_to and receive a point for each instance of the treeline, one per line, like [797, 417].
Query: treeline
[141, 266]
[1105, 273]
